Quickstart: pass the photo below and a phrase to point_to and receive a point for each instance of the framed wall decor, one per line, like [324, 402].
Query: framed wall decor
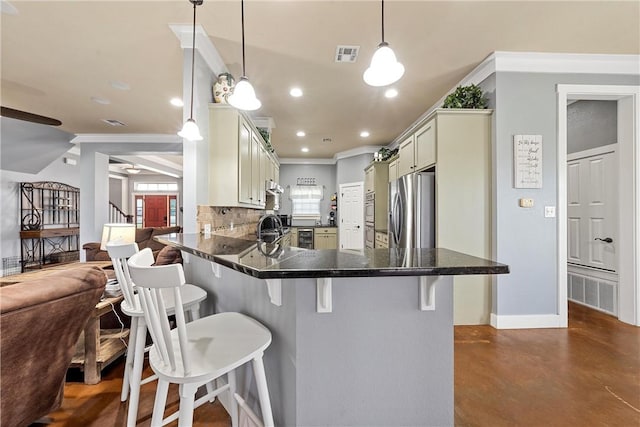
[527, 161]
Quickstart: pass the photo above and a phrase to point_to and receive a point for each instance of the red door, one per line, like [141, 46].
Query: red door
[155, 211]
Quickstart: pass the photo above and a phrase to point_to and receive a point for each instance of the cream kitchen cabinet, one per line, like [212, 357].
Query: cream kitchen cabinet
[325, 238]
[377, 177]
[239, 163]
[393, 170]
[294, 236]
[418, 151]
[382, 240]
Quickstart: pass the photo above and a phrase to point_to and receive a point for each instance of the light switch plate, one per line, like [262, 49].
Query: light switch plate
[526, 203]
[207, 228]
[549, 211]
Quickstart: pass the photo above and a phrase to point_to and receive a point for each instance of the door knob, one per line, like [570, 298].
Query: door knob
[606, 239]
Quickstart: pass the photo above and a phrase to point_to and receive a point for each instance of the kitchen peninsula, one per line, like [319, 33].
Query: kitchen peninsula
[360, 338]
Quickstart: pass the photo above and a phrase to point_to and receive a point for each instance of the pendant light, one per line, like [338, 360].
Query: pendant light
[385, 68]
[190, 129]
[243, 96]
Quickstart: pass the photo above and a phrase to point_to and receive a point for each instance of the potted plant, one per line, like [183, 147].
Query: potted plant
[470, 96]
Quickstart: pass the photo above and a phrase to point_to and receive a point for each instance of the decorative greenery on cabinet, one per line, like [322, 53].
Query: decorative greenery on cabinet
[470, 96]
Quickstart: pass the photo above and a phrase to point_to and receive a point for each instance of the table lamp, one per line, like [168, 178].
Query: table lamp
[120, 233]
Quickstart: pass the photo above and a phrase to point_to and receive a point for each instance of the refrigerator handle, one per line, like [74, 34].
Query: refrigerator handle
[398, 219]
[393, 219]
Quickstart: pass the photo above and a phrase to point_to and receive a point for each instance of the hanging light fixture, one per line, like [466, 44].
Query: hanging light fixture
[190, 129]
[385, 68]
[243, 96]
[133, 170]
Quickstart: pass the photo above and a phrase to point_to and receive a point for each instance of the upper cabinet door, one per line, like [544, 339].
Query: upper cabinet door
[244, 175]
[393, 170]
[369, 179]
[255, 170]
[406, 159]
[425, 150]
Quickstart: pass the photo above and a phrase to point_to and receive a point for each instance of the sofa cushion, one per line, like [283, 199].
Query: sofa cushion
[41, 322]
[142, 237]
[169, 255]
[159, 231]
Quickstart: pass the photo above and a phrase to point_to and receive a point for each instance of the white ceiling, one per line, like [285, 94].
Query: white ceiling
[56, 55]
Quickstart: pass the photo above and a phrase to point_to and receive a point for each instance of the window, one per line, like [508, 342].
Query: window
[305, 200]
[156, 186]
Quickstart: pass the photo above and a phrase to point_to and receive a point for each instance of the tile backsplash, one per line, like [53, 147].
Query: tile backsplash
[228, 221]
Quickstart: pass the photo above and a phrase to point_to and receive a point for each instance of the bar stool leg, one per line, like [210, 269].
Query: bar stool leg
[187, 398]
[263, 391]
[159, 403]
[129, 360]
[136, 372]
[195, 312]
[231, 378]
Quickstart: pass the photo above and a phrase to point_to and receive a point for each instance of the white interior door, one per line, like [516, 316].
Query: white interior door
[351, 211]
[592, 215]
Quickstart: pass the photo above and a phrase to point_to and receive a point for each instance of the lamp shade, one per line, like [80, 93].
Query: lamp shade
[120, 233]
[384, 69]
[244, 97]
[190, 131]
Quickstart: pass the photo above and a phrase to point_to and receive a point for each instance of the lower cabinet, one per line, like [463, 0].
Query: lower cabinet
[325, 238]
[294, 236]
[382, 240]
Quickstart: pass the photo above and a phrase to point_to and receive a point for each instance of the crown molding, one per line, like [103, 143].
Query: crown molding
[366, 149]
[184, 33]
[129, 138]
[536, 62]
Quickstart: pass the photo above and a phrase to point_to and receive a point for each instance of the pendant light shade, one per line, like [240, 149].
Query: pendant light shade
[385, 68]
[244, 96]
[190, 129]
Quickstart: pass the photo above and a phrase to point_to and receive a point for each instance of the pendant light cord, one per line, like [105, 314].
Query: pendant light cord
[242, 18]
[193, 58]
[382, 21]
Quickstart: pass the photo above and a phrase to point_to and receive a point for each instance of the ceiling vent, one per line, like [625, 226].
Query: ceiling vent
[113, 122]
[347, 53]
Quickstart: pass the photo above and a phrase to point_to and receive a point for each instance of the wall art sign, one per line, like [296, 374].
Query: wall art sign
[527, 161]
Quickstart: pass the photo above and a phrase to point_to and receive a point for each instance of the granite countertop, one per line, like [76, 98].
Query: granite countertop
[272, 261]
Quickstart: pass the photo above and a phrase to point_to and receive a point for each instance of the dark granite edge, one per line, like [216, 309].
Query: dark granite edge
[274, 273]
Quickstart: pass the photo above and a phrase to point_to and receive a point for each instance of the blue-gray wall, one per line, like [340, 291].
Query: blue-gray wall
[591, 124]
[526, 103]
[324, 174]
[351, 169]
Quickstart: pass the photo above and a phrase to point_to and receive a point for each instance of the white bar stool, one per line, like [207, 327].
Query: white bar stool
[191, 295]
[194, 354]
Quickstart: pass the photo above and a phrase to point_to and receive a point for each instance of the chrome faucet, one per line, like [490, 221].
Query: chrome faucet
[276, 220]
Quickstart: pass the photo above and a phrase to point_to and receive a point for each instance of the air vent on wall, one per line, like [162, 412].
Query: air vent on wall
[113, 122]
[347, 53]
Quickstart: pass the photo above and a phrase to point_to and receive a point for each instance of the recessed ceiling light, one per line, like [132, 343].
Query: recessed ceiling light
[300, 133]
[364, 134]
[119, 85]
[391, 93]
[177, 102]
[304, 149]
[101, 101]
[296, 92]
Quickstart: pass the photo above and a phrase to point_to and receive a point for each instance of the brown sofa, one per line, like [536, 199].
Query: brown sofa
[144, 239]
[41, 321]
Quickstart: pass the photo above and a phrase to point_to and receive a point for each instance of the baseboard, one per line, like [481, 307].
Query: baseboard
[527, 321]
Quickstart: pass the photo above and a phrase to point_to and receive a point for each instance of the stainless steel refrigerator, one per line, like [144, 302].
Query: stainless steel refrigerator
[412, 211]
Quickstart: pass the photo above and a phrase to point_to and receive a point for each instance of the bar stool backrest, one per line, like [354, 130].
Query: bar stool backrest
[150, 281]
[119, 254]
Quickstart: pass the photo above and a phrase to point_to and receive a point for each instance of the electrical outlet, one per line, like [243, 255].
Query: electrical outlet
[526, 203]
[549, 211]
[207, 228]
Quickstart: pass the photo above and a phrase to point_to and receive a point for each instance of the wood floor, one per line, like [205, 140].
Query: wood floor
[586, 375]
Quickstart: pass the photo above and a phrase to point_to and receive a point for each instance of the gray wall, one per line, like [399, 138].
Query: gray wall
[591, 124]
[526, 103]
[115, 192]
[324, 175]
[9, 192]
